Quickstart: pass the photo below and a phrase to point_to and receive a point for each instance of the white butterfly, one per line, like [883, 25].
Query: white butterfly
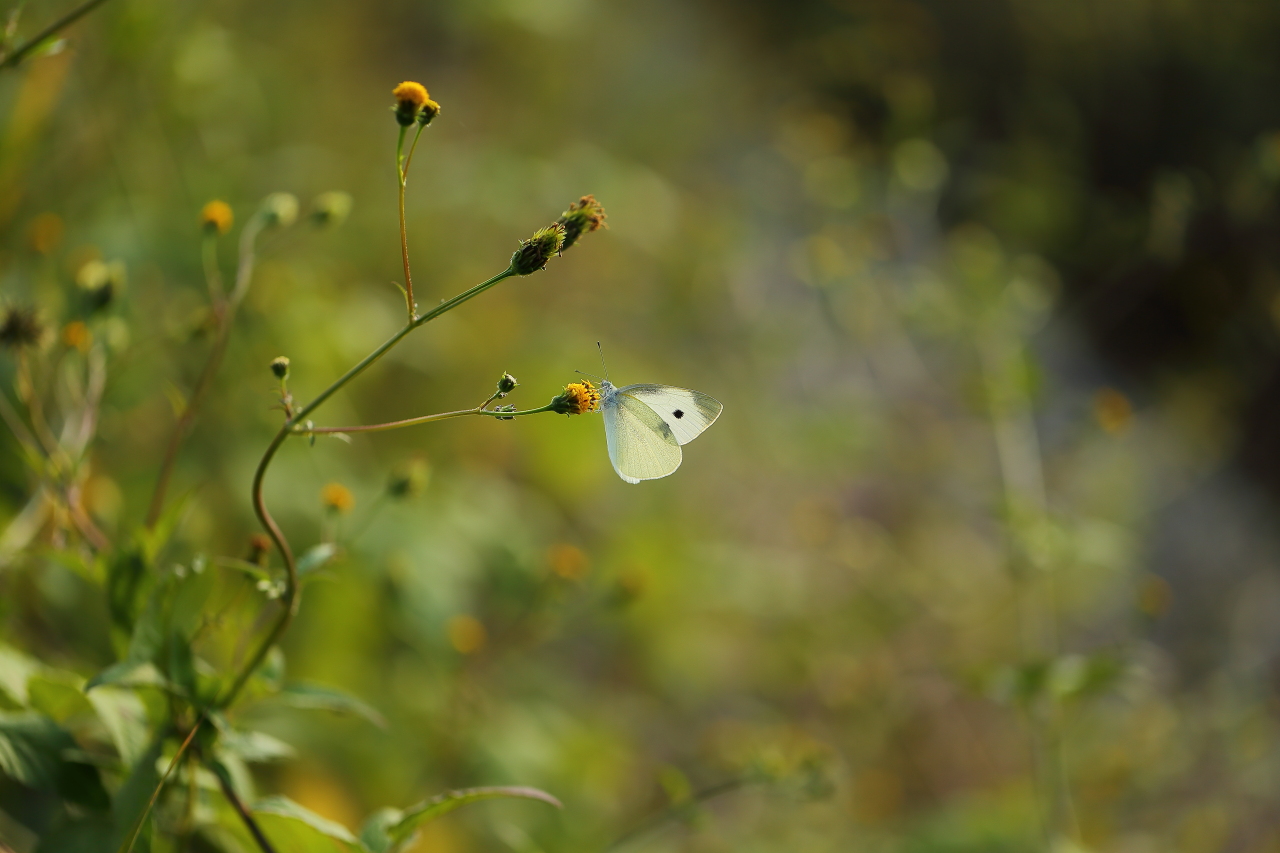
[644, 426]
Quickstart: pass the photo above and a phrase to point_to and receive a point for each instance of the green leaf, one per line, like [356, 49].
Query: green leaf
[254, 747]
[315, 557]
[90, 834]
[374, 833]
[132, 799]
[254, 571]
[314, 696]
[125, 719]
[126, 582]
[281, 818]
[31, 752]
[182, 668]
[442, 804]
[147, 638]
[15, 670]
[59, 695]
[128, 673]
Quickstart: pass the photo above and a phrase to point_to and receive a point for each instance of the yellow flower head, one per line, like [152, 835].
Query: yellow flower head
[414, 104]
[75, 335]
[337, 498]
[582, 217]
[577, 398]
[216, 217]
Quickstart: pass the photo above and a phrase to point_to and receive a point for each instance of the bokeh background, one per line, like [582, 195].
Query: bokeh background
[980, 555]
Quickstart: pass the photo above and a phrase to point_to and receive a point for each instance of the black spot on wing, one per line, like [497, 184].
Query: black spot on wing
[678, 413]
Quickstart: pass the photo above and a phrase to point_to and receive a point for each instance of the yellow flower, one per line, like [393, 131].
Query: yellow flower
[216, 217]
[76, 335]
[467, 634]
[568, 562]
[576, 399]
[46, 232]
[414, 104]
[337, 498]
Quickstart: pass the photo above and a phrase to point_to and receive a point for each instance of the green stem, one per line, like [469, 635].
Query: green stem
[137, 825]
[225, 312]
[290, 596]
[224, 782]
[39, 38]
[425, 419]
[401, 175]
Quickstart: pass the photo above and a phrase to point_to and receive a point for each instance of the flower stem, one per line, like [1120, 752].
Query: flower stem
[224, 782]
[402, 169]
[224, 310]
[425, 419]
[289, 597]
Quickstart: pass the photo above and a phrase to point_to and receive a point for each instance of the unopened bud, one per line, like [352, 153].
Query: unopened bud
[506, 384]
[534, 253]
[280, 367]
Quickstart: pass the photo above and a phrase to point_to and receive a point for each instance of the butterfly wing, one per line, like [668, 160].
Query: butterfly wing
[686, 412]
[641, 445]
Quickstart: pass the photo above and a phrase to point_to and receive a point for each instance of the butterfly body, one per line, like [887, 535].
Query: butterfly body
[645, 425]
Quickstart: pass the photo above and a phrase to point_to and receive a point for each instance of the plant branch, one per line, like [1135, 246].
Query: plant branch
[12, 59]
[425, 419]
[289, 598]
[679, 809]
[401, 174]
[137, 825]
[224, 311]
[241, 809]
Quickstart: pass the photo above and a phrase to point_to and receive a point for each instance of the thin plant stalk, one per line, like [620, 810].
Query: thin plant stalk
[127, 847]
[241, 809]
[424, 419]
[289, 598]
[224, 309]
[12, 59]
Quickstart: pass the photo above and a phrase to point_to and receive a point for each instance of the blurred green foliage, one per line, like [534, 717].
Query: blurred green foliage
[963, 566]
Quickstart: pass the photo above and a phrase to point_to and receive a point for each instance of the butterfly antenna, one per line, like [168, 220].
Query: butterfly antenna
[584, 373]
[602, 364]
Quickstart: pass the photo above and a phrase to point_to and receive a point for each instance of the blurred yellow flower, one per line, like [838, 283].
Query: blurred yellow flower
[568, 562]
[76, 335]
[46, 232]
[337, 498]
[466, 634]
[1112, 410]
[216, 217]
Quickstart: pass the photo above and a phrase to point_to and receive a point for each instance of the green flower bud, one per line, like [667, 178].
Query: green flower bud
[280, 367]
[409, 478]
[506, 384]
[582, 217]
[280, 209]
[329, 210]
[534, 253]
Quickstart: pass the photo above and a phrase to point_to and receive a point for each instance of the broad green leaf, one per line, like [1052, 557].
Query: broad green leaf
[254, 747]
[128, 673]
[374, 833]
[127, 576]
[15, 670]
[125, 719]
[314, 696]
[153, 540]
[59, 695]
[315, 557]
[31, 752]
[444, 803]
[295, 827]
[182, 668]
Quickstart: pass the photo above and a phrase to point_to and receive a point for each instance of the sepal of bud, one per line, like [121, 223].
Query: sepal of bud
[534, 253]
[411, 98]
[280, 367]
[507, 384]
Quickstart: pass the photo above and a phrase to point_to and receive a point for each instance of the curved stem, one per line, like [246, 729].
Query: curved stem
[424, 419]
[224, 782]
